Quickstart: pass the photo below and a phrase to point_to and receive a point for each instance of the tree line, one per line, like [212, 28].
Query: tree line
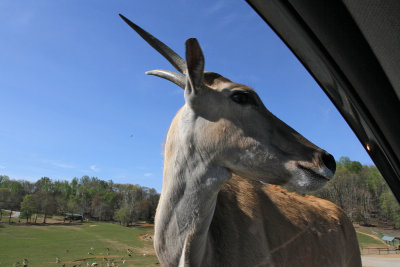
[362, 192]
[358, 189]
[88, 196]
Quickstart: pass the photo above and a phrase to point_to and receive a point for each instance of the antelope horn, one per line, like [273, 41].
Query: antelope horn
[176, 61]
[171, 76]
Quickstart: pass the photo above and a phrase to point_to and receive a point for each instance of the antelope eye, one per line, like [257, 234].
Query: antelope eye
[242, 98]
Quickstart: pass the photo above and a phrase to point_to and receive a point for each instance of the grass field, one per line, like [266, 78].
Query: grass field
[372, 236]
[42, 244]
[73, 243]
[365, 241]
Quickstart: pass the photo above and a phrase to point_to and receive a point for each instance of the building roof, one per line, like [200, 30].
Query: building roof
[387, 238]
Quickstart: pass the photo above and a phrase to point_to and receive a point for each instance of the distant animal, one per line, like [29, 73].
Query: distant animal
[213, 209]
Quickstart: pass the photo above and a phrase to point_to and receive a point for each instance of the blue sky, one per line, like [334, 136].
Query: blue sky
[75, 100]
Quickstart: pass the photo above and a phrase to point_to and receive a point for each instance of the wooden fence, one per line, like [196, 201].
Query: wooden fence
[379, 251]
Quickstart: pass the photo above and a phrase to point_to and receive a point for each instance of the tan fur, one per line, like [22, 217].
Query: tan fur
[251, 218]
[209, 216]
[258, 225]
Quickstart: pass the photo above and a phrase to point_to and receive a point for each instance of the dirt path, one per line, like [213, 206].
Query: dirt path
[380, 261]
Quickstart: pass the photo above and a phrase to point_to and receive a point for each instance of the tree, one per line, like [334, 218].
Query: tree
[349, 190]
[390, 208]
[374, 180]
[27, 207]
[44, 194]
[44, 184]
[123, 215]
[352, 166]
[45, 203]
[5, 197]
[73, 204]
[362, 192]
[15, 198]
[4, 179]
[61, 191]
[99, 208]
[154, 197]
[143, 210]
[88, 196]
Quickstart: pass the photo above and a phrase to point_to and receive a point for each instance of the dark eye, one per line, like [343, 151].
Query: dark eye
[242, 98]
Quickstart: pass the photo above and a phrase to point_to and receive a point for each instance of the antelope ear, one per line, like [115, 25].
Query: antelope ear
[195, 66]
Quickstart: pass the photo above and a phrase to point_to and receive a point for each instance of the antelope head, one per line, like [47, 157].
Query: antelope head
[228, 124]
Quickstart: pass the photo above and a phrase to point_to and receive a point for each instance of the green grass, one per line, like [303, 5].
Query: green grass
[41, 244]
[367, 241]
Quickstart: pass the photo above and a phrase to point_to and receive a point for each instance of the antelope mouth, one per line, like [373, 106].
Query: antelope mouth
[313, 173]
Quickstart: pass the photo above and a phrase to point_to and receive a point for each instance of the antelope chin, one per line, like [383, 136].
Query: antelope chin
[305, 179]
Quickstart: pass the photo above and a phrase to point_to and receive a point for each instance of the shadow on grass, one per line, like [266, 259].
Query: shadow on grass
[42, 224]
[142, 226]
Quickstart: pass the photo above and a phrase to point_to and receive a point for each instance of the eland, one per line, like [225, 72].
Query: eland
[221, 150]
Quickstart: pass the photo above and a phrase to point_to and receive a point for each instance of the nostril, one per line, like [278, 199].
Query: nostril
[329, 161]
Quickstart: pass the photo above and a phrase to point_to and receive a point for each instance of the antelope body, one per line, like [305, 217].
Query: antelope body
[213, 209]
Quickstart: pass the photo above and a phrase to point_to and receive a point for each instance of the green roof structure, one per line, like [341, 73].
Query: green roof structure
[387, 238]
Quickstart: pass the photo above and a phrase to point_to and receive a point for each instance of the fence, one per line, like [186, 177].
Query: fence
[379, 251]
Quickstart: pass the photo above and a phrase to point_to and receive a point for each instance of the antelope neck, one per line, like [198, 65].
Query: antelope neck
[187, 204]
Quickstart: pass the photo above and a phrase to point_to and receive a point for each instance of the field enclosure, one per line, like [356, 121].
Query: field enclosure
[76, 244]
[82, 243]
